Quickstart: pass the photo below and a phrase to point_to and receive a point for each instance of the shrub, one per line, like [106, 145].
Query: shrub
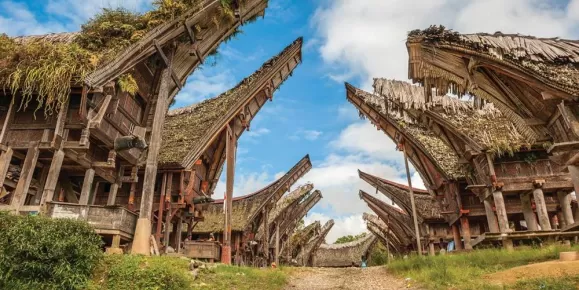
[41, 253]
[121, 272]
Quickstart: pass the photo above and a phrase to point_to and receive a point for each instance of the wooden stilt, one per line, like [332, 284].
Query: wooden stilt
[159, 230]
[116, 241]
[86, 186]
[413, 204]
[530, 217]
[456, 236]
[25, 176]
[574, 173]
[52, 179]
[501, 210]
[431, 250]
[112, 198]
[565, 203]
[231, 145]
[508, 244]
[277, 244]
[465, 225]
[167, 225]
[265, 241]
[541, 207]
[177, 235]
[491, 217]
[5, 158]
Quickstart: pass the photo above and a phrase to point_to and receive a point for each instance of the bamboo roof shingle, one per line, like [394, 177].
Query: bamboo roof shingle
[187, 131]
[343, 255]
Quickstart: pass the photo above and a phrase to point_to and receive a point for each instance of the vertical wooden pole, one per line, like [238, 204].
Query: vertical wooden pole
[456, 236]
[167, 225]
[168, 205]
[266, 236]
[565, 203]
[177, 235]
[230, 148]
[501, 210]
[161, 208]
[541, 208]
[491, 217]
[7, 120]
[5, 158]
[115, 187]
[277, 243]
[86, 186]
[528, 213]
[142, 240]
[116, 241]
[25, 176]
[414, 216]
[574, 173]
[465, 225]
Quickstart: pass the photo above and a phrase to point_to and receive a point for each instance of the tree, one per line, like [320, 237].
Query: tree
[349, 238]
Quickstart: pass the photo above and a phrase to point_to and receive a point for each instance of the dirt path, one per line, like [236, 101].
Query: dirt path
[344, 278]
[551, 269]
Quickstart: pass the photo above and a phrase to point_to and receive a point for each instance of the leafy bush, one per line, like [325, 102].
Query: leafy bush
[41, 253]
[139, 272]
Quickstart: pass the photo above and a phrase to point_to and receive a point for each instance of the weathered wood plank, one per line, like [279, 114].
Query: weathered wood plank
[26, 174]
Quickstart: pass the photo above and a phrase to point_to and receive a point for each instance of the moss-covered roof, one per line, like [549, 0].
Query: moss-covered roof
[556, 60]
[376, 226]
[343, 255]
[398, 221]
[186, 128]
[313, 244]
[486, 125]
[429, 143]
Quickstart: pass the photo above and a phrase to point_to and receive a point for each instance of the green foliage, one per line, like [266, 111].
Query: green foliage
[466, 270]
[139, 272]
[41, 253]
[349, 238]
[242, 278]
[559, 283]
[378, 255]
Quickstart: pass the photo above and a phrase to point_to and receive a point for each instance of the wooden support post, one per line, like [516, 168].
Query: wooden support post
[431, 250]
[465, 225]
[116, 241]
[5, 157]
[541, 207]
[167, 225]
[530, 217]
[142, 238]
[265, 241]
[574, 173]
[7, 120]
[160, 210]
[491, 217]
[508, 244]
[177, 235]
[42, 183]
[52, 179]
[414, 216]
[501, 210]
[25, 176]
[565, 203]
[86, 186]
[277, 244]
[115, 187]
[230, 158]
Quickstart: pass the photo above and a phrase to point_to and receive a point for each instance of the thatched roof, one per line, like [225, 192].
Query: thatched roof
[299, 211]
[312, 245]
[343, 255]
[483, 123]
[376, 226]
[247, 207]
[113, 43]
[399, 222]
[426, 141]
[427, 207]
[188, 131]
[554, 60]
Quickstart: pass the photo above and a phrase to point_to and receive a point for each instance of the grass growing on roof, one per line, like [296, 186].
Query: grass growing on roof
[467, 270]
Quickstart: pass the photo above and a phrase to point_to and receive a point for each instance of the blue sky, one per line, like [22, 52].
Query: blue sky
[344, 40]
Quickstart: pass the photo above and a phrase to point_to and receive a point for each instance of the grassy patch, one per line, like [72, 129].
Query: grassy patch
[466, 271]
[560, 283]
[239, 278]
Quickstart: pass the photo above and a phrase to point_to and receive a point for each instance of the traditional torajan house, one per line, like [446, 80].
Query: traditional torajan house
[194, 142]
[381, 230]
[299, 238]
[493, 150]
[248, 215]
[344, 255]
[81, 108]
[306, 252]
[532, 81]
[433, 225]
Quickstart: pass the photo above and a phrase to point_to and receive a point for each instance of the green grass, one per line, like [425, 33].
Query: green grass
[559, 283]
[139, 272]
[240, 278]
[466, 271]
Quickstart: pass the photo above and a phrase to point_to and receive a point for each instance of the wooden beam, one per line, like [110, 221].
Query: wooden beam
[168, 64]
[52, 179]
[86, 186]
[5, 157]
[112, 198]
[19, 195]
[231, 145]
[7, 120]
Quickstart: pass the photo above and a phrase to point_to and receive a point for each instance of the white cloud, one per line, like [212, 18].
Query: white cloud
[202, 85]
[346, 225]
[243, 183]
[367, 37]
[310, 135]
[258, 132]
[16, 19]
[365, 138]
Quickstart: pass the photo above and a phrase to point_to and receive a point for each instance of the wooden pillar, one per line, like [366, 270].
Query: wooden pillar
[464, 224]
[277, 244]
[52, 179]
[565, 203]
[25, 176]
[501, 210]
[541, 207]
[142, 240]
[431, 250]
[265, 241]
[508, 244]
[7, 120]
[412, 203]
[86, 186]
[530, 217]
[456, 236]
[491, 217]
[115, 187]
[574, 173]
[159, 230]
[177, 235]
[116, 241]
[231, 145]
[168, 218]
[5, 157]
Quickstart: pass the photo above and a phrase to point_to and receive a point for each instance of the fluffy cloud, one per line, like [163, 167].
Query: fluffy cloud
[203, 84]
[366, 38]
[310, 135]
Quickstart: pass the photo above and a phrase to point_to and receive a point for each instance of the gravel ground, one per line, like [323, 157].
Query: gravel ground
[344, 278]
